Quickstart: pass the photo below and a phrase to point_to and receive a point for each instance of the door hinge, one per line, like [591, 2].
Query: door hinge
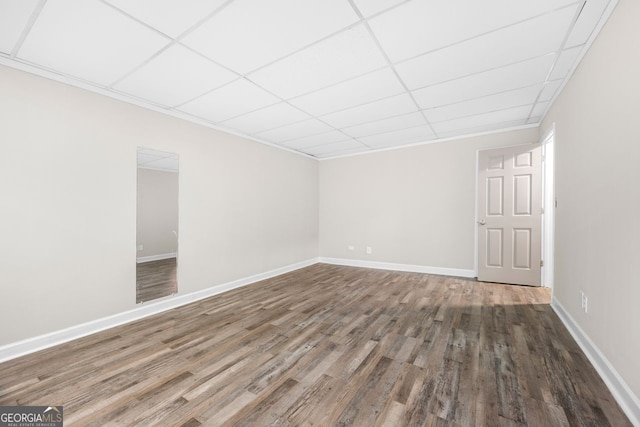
[541, 263]
[542, 211]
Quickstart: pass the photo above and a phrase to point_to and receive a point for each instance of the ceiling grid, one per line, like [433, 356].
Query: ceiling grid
[325, 78]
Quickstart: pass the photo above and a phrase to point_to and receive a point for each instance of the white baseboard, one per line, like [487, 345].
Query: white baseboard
[31, 345]
[625, 397]
[400, 267]
[155, 257]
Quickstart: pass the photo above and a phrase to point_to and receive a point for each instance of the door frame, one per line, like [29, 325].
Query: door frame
[549, 204]
[548, 194]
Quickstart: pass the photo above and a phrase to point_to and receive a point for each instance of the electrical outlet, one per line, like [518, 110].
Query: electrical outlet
[140, 248]
[586, 304]
[369, 250]
[351, 248]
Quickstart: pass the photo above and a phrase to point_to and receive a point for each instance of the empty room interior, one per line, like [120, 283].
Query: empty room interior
[306, 212]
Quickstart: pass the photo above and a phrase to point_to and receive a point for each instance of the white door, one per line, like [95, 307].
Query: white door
[509, 215]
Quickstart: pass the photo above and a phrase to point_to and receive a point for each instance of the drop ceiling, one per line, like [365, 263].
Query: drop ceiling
[322, 77]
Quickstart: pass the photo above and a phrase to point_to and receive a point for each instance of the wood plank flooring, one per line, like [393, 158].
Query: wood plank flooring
[156, 279]
[329, 346]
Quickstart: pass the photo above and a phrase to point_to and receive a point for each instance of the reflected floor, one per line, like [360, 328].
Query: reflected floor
[156, 279]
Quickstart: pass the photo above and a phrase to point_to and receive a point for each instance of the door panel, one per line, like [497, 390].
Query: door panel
[494, 247]
[509, 215]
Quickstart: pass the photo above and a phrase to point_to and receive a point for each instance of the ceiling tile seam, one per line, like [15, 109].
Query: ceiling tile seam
[485, 96]
[558, 52]
[495, 127]
[136, 97]
[281, 100]
[407, 91]
[145, 62]
[306, 135]
[171, 41]
[135, 19]
[311, 116]
[80, 83]
[35, 13]
[208, 91]
[485, 112]
[604, 16]
[337, 142]
[199, 23]
[366, 147]
[437, 141]
[389, 63]
[219, 64]
[522, 21]
[484, 71]
[338, 83]
[384, 118]
[389, 131]
[378, 120]
[315, 42]
[383, 11]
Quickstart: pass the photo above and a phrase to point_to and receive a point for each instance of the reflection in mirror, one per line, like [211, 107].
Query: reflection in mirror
[156, 224]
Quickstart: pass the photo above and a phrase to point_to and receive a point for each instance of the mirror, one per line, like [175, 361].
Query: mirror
[156, 224]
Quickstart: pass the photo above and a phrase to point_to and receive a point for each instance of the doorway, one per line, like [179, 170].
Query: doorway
[509, 215]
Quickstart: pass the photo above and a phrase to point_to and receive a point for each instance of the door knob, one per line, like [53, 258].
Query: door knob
[482, 222]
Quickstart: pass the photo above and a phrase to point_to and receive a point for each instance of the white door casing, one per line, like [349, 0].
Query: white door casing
[509, 215]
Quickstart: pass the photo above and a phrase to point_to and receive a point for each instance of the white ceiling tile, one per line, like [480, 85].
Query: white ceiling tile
[357, 150]
[587, 21]
[371, 7]
[338, 58]
[77, 37]
[168, 16]
[297, 130]
[550, 89]
[312, 141]
[360, 90]
[479, 129]
[266, 118]
[148, 154]
[386, 125]
[166, 164]
[175, 76]
[14, 15]
[424, 25]
[499, 48]
[498, 101]
[155, 159]
[248, 34]
[388, 139]
[334, 147]
[382, 109]
[539, 109]
[565, 62]
[515, 76]
[534, 120]
[236, 98]
[495, 118]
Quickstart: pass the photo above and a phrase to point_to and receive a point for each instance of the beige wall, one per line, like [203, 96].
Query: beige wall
[157, 212]
[597, 178]
[68, 197]
[412, 206]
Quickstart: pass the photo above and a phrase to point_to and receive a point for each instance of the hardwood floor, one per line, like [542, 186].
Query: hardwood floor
[328, 345]
[155, 279]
